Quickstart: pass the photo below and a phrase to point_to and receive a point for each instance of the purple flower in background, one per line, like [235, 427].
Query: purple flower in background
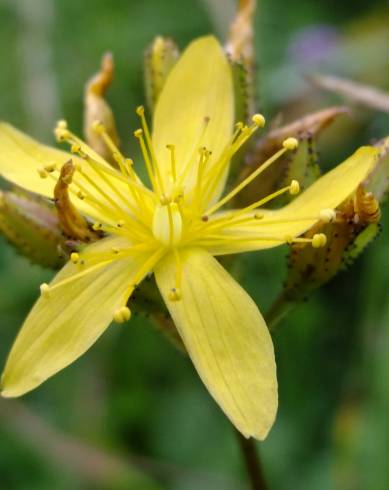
[313, 44]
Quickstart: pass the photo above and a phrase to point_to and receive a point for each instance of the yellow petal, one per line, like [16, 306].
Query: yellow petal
[64, 324]
[302, 213]
[22, 156]
[226, 338]
[198, 88]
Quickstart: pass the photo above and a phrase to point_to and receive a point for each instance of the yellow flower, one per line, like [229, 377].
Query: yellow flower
[173, 230]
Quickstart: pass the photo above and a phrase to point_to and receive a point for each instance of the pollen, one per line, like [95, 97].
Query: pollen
[290, 143]
[122, 314]
[43, 174]
[45, 290]
[327, 215]
[98, 127]
[319, 240]
[75, 257]
[294, 187]
[259, 120]
[175, 294]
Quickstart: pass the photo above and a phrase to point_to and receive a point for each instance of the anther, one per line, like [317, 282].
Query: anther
[327, 215]
[45, 289]
[61, 134]
[80, 195]
[97, 226]
[294, 187]
[122, 315]
[290, 143]
[165, 200]
[42, 173]
[75, 148]
[138, 133]
[259, 120]
[319, 240]
[174, 294]
[62, 124]
[98, 127]
[74, 257]
[140, 110]
[120, 223]
[50, 168]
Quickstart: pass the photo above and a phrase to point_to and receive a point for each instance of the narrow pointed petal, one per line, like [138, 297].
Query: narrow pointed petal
[21, 158]
[64, 324]
[226, 338]
[328, 192]
[195, 108]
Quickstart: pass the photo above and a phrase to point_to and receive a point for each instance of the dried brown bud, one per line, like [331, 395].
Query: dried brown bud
[73, 225]
[96, 108]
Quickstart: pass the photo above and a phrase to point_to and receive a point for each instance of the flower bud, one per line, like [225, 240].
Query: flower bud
[159, 59]
[31, 225]
[240, 48]
[355, 225]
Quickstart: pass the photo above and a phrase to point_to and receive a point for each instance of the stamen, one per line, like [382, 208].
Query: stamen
[290, 143]
[43, 174]
[167, 223]
[174, 295]
[172, 161]
[139, 135]
[74, 257]
[240, 136]
[45, 290]
[51, 167]
[247, 181]
[204, 157]
[189, 163]
[141, 113]
[122, 315]
[327, 215]
[319, 240]
[259, 120]
[294, 187]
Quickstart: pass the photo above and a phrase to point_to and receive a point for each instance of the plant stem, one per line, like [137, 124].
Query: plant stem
[280, 308]
[252, 462]
[249, 452]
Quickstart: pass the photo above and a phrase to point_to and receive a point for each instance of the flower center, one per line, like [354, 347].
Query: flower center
[167, 223]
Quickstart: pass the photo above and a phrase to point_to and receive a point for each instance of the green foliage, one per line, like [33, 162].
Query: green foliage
[133, 399]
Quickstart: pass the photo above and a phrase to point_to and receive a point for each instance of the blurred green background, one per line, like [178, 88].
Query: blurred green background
[132, 413]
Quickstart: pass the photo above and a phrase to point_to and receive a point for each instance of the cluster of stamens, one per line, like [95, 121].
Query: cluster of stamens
[172, 214]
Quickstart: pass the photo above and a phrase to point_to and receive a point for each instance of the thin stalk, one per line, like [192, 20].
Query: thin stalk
[250, 455]
[252, 462]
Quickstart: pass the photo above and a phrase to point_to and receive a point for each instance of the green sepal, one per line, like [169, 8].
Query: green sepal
[160, 57]
[362, 240]
[378, 181]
